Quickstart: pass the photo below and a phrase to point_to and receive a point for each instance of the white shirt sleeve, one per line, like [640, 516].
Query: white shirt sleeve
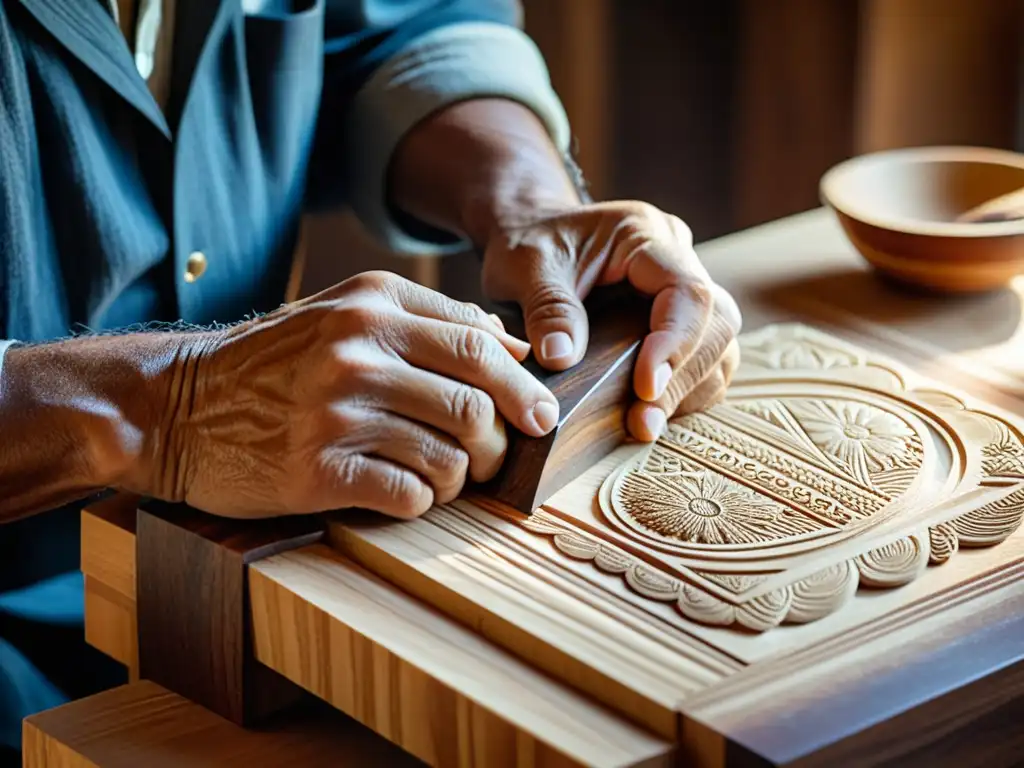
[450, 64]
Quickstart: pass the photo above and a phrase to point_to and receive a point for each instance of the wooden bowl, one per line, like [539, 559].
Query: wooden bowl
[899, 208]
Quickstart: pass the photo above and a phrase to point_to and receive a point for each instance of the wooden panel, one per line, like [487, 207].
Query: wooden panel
[575, 38]
[963, 666]
[585, 615]
[108, 543]
[113, 635]
[108, 564]
[654, 634]
[795, 103]
[969, 572]
[938, 72]
[674, 109]
[142, 724]
[493, 575]
[191, 603]
[436, 689]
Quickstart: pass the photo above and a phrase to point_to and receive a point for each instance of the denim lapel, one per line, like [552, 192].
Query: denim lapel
[87, 30]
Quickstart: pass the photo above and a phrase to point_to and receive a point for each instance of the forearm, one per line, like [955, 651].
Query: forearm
[478, 165]
[80, 415]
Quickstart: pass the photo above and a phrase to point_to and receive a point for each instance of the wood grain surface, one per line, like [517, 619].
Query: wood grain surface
[108, 567]
[490, 573]
[474, 562]
[351, 639]
[939, 690]
[142, 725]
[192, 606]
[437, 689]
[593, 397]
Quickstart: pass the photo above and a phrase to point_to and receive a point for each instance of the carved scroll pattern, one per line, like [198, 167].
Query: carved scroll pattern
[1003, 459]
[700, 484]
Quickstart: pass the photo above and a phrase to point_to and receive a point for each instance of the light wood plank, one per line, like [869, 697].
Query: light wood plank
[497, 578]
[108, 564]
[108, 543]
[438, 690]
[937, 72]
[110, 624]
[142, 725]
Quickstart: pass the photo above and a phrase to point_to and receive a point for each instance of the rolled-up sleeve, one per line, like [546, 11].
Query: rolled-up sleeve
[450, 64]
[445, 53]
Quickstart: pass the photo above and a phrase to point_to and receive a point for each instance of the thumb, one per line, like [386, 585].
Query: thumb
[556, 322]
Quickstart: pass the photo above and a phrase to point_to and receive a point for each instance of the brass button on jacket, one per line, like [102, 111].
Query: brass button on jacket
[195, 266]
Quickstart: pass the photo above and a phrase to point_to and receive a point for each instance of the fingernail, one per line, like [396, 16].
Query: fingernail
[662, 376]
[497, 321]
[654, 420]
[545, 415]
[556, 346]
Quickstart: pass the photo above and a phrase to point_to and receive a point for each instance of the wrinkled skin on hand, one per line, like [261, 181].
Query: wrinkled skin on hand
[377, 393]
[550, 261]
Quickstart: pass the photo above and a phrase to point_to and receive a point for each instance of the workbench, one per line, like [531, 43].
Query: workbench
[468, 639]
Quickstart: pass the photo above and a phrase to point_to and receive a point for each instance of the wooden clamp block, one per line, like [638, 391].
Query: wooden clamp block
[192, 606]
[593, 397]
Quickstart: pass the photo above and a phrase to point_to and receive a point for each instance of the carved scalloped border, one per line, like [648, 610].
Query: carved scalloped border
[804, 601]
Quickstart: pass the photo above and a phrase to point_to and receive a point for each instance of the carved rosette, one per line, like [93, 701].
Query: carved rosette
[792, 472]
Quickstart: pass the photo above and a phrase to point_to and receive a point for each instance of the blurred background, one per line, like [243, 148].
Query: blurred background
[727, 112]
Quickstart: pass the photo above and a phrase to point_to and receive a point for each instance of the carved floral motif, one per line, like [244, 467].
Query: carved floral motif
[794, 351]
[863, 440]
[703, 507]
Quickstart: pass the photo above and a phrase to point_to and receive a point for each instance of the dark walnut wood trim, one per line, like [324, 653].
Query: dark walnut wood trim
[593, 398]
[947, 692]
[193, 606]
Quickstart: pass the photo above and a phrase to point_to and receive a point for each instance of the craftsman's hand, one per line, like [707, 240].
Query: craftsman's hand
[548, 263]
[377, 393]
[488, 169]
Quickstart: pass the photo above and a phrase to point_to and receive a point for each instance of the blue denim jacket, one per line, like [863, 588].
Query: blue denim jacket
[104, 195]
